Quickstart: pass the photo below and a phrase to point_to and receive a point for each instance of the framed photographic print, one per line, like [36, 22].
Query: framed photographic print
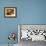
[10, 12]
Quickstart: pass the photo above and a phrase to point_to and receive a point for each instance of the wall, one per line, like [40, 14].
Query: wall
[28, 12]
[34, 12]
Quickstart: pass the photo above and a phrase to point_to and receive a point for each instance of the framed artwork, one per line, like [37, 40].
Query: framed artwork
[33, 32]
[10, 12]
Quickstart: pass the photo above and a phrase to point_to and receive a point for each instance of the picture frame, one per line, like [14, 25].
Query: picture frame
[37, 29]
[10, 12]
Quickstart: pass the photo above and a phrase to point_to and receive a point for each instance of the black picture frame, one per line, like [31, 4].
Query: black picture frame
[10, 16]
